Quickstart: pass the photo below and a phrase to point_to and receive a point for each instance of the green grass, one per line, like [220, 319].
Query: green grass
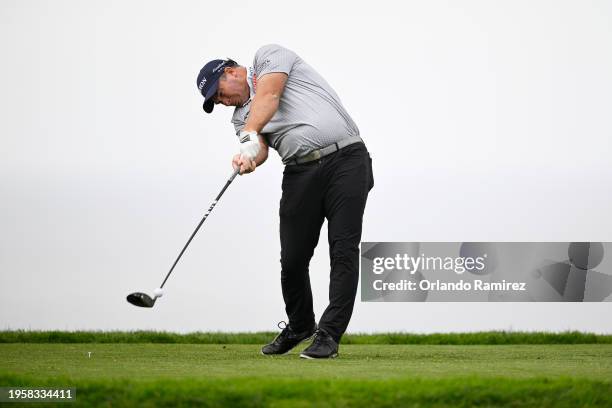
[227, 375]
[492, 337]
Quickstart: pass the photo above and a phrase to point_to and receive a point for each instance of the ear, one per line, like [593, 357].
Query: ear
[230, 71]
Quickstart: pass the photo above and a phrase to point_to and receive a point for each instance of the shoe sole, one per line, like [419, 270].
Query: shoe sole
[318, 358]
[287, 352]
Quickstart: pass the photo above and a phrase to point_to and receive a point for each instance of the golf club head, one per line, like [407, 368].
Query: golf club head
[140, 299]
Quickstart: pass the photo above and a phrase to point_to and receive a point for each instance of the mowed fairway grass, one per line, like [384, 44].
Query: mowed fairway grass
[390, 375]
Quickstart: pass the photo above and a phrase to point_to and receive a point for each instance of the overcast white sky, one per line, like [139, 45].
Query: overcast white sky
[486, 121]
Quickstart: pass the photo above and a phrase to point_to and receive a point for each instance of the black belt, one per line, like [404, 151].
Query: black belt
[317, 154]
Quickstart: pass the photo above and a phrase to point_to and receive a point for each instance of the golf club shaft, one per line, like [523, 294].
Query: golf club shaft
[229, 181]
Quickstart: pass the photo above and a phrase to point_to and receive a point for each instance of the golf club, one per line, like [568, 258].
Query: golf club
[142, 299]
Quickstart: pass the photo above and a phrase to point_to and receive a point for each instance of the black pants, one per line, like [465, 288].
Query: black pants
[335, 187]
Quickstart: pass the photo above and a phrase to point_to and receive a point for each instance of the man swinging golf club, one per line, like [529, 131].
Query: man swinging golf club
[282, 102]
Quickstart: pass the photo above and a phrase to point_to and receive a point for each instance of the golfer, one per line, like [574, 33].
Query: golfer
[283, 103]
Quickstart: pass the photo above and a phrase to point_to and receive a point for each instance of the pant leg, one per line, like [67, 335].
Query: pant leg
[350, 180]
[301, 217]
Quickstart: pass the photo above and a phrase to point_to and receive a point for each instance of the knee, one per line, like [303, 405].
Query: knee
[292, 265]
[343, 251]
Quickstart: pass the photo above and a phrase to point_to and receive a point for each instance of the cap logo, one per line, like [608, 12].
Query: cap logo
[215, 69]
[202, 83]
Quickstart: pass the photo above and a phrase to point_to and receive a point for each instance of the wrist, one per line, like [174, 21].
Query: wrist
[248, 135]
[249, 144]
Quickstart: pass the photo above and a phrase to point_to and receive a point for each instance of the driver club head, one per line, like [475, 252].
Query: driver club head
[141, 299]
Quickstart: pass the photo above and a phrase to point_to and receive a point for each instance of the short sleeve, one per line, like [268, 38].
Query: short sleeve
[273, 58]
[239, 117]
[238, 127]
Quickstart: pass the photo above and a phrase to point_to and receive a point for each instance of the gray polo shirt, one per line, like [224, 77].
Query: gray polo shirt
[310, 115]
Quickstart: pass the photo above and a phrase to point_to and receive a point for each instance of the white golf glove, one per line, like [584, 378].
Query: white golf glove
[249, 144]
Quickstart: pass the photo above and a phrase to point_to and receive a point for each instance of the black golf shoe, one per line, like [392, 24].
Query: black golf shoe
[323, 346]
[287, 339]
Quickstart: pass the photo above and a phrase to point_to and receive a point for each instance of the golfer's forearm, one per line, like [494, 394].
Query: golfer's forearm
[262, 156]
[263, 107]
